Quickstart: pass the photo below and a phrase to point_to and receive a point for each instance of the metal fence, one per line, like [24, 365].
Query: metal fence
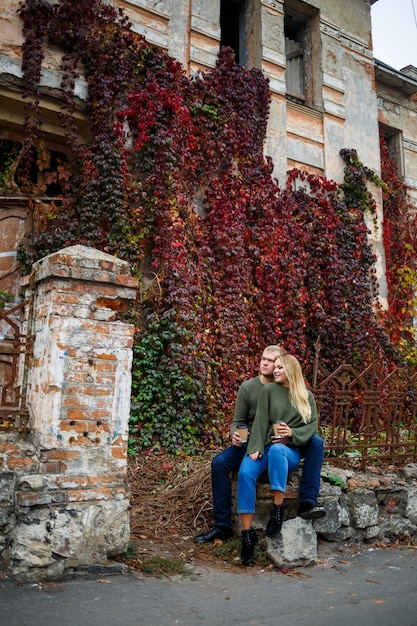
[15, 350]
[367, 416]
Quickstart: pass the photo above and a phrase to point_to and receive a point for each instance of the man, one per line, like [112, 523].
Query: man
[231, 458]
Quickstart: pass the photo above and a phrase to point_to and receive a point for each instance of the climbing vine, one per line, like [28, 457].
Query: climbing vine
[400, 245]
[174, 180]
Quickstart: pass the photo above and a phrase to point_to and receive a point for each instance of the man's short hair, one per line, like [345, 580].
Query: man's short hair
[278, 350]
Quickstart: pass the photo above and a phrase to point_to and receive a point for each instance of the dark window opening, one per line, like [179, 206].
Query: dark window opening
[241, 30]
[233, 27]
[20, 168]
[393, 140]
[229, 25]
[56, 160]
[9, 157]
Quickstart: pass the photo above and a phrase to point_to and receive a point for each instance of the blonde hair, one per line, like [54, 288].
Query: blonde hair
[298, 392]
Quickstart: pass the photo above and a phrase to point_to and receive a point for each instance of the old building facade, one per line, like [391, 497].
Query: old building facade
[328, 92]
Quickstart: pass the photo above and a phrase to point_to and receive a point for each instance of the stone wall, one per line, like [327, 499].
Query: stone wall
[64, 495]
[376, 506]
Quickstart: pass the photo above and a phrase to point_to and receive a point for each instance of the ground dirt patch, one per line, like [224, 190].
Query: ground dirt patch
[171, 503]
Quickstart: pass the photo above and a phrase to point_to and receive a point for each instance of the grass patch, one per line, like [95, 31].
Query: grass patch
[228, 550]
[160, 566]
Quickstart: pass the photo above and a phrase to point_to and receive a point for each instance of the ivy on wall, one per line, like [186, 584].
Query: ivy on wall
[174, 180]
[400, 245]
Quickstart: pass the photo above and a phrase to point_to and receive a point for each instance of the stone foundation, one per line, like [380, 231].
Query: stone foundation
[378, 505]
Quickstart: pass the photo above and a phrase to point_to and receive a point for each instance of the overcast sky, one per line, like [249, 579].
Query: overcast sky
[394, 32]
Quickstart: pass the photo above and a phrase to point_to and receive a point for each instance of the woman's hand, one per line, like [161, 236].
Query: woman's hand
[255, 455]
[283, 432]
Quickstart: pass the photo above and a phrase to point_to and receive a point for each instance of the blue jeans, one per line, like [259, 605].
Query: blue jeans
[313, 453]
[280, 460]
[227, 461]
[230, 459]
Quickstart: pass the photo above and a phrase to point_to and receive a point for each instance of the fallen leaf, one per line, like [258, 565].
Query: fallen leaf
[345, 562]
[369, 580]
[102, 580]
[294, 572]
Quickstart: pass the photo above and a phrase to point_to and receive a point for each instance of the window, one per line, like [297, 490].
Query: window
[230, 25]
[15, 163]
[240, 30]
[294, 52]
[393, 140]
[302, 41]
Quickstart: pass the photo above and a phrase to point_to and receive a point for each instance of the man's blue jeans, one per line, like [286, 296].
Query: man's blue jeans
[227, 461]
[230, 459]
[313, 454]
[280, 460]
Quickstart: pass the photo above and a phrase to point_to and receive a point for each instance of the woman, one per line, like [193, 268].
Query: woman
[287, 400]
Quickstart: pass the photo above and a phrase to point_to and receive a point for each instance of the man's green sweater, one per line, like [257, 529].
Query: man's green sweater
[246, 403]
[274, 405]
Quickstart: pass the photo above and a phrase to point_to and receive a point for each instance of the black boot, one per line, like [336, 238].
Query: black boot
[215, 533]
[275, 521]
[311, 511]
[249, 541]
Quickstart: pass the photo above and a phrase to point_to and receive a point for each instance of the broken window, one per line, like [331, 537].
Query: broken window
[302, 41]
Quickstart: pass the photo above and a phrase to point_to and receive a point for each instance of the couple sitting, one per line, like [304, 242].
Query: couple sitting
[259, 405]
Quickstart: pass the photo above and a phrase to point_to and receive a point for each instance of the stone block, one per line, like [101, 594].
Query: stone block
[392, 527]
[411, 505]
[372, 532]
[410, 471]
[328, 525]
[295, 546]
[363, 508]
[6, 515]
[7, 486]
[84, 534]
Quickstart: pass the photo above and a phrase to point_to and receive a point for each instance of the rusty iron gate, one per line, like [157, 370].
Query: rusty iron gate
[367, 416]
[15, 350]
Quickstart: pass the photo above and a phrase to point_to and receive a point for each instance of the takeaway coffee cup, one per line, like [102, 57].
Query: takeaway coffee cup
[242, 430]
[275, 427]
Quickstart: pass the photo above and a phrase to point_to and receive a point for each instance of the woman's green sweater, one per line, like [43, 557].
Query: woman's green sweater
[274, 405]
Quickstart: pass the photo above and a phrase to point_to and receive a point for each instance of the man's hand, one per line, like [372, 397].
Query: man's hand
[236, 440]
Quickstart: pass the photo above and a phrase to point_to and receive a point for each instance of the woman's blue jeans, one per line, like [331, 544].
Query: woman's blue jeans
[280, 460]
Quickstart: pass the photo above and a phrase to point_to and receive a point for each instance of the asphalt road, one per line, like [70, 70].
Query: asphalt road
[372, 588]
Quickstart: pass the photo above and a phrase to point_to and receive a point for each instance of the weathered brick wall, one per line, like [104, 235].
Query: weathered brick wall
[64, 498]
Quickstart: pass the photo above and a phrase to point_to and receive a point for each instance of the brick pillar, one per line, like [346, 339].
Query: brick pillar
[74, 511]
